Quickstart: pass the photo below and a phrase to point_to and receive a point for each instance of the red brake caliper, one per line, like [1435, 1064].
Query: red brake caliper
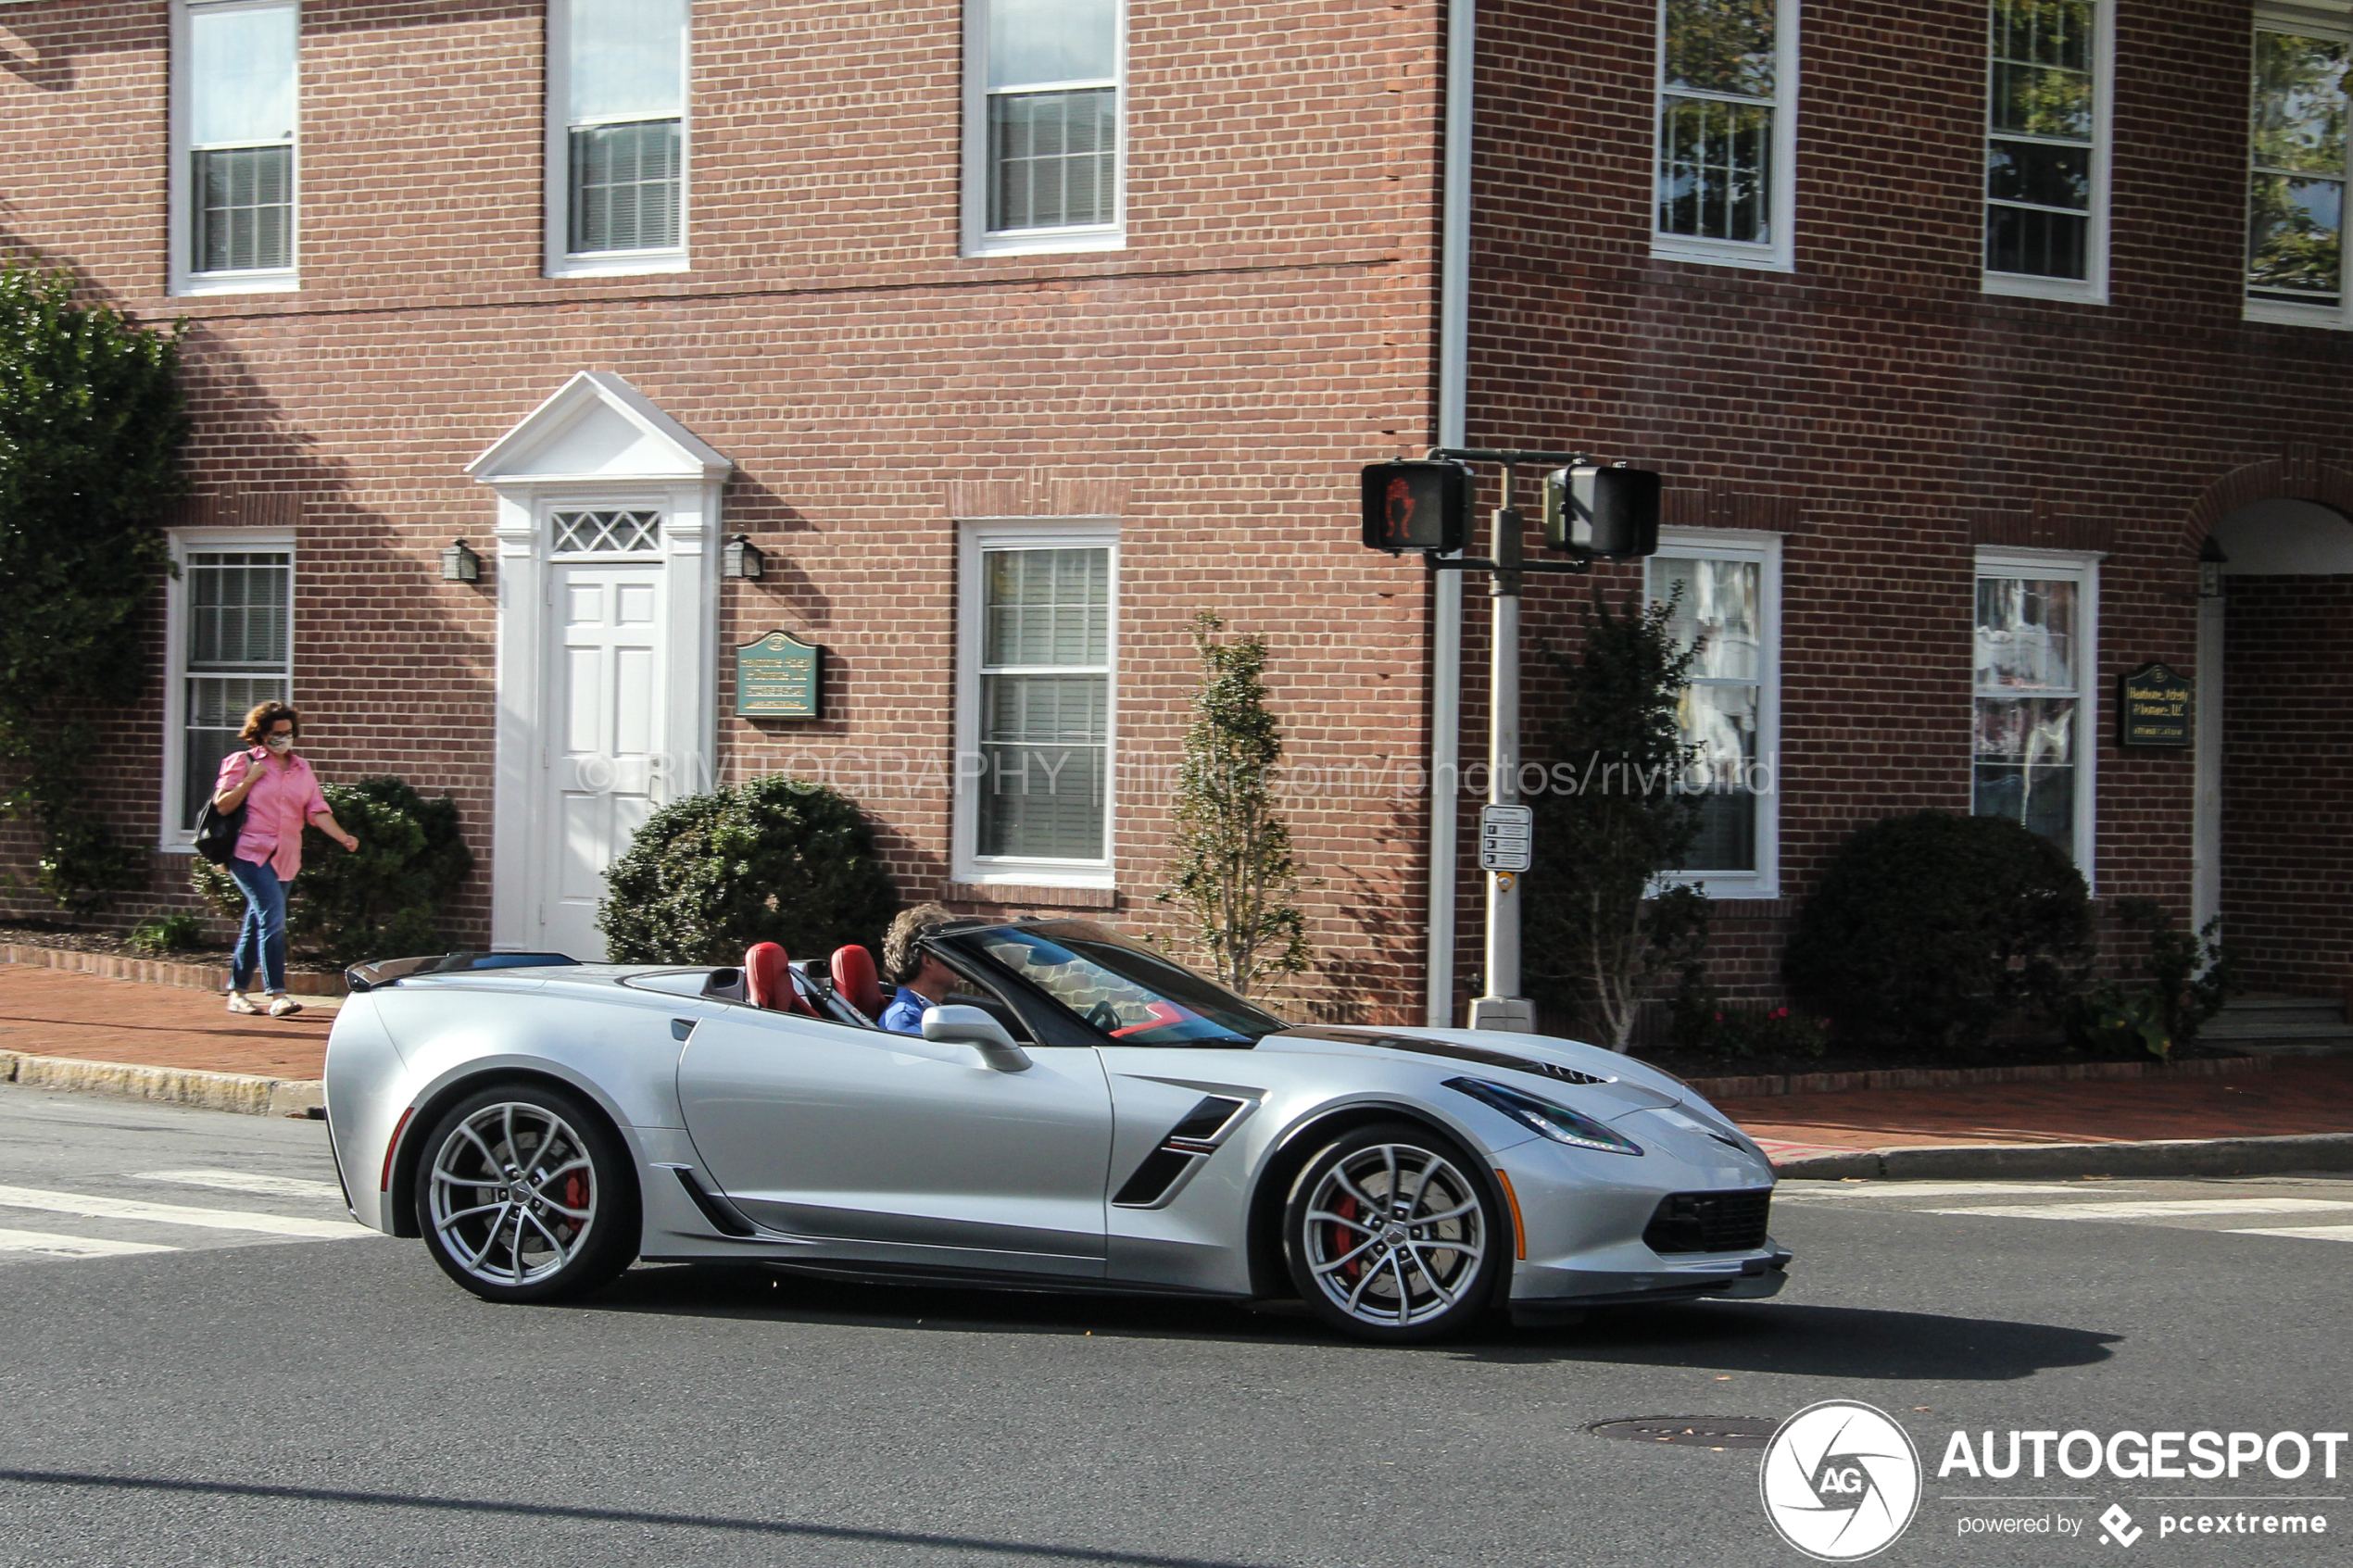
[1344, 1240]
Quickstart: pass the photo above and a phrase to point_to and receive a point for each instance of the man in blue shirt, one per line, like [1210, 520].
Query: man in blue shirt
[922, 979]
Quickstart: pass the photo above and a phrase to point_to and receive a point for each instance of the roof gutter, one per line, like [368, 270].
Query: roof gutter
[1454, 393]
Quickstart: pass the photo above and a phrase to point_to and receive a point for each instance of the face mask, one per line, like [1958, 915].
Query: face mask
[279, 743]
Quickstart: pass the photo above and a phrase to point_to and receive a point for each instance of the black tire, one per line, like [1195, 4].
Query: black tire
[1413, 1277]
[567, 1225]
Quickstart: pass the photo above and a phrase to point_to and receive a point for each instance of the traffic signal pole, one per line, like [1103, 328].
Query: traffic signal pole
[1503, 825]
[1502, 1006]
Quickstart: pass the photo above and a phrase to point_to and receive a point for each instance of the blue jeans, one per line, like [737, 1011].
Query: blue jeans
[262, 937]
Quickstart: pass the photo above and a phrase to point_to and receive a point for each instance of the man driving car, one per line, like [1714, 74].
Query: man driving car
[922, 979]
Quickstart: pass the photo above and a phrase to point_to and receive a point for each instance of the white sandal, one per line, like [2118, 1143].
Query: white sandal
[239, 1003]
[284, 1006]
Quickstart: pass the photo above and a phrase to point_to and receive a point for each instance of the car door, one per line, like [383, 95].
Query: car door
[901, 1149]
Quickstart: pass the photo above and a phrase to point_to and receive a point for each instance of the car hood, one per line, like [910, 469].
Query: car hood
[1599, 1073]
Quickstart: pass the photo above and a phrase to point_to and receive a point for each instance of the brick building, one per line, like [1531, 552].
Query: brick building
[1012, 335]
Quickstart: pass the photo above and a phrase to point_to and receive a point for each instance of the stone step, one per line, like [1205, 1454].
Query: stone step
[2264, 1012]
[2279, 1039]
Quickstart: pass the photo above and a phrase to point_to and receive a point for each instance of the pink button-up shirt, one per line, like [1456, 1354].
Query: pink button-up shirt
[284, 796]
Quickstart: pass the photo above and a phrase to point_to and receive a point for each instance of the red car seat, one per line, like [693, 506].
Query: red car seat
[768, 978]
[854, 980]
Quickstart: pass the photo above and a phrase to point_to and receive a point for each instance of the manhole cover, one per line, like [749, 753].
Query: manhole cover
[1696, 1431]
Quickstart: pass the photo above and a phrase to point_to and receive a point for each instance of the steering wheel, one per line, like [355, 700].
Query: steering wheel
[1103, 1016]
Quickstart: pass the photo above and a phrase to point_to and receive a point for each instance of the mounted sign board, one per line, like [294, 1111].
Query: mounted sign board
[2153, 706]
[1506, 837]
[778, 676]
[1611, 512]
[1417, 506]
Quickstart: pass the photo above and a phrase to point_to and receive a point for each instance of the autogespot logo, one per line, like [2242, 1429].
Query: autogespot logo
[1841, 1481]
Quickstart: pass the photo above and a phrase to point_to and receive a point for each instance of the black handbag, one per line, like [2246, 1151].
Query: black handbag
[217, 833]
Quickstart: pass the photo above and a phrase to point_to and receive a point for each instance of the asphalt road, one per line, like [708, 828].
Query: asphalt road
[238, 1394]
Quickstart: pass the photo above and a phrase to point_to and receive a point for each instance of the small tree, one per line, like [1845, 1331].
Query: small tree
[1614, 817]
[91, 428]
[1232, 872]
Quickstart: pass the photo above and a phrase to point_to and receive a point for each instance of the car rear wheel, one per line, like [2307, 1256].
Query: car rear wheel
[1391, 1235]
[525, 1195]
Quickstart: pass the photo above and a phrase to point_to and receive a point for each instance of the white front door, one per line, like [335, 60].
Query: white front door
[604, 726]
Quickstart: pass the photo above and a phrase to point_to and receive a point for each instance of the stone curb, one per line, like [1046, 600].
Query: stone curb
[239, 1092]
[1762, 1086]
[2168, 1157]
[156, 971]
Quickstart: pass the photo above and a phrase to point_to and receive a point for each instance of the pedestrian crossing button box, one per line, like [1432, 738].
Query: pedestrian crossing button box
[1611, 512]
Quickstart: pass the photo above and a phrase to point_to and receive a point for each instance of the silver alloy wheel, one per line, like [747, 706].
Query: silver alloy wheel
[1394, 1234]
[513, 1194]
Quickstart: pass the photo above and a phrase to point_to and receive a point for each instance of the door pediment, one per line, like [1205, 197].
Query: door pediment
[597, 427]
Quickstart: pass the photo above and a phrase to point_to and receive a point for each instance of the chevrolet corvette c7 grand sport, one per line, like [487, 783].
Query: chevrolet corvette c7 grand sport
[1081, 1115]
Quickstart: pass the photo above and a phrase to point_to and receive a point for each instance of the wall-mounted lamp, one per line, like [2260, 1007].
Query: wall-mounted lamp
[2209, 569]
[742, 558]
[458, 564]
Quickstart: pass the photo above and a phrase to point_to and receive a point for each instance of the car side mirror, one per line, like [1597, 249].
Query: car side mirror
[973, 1027]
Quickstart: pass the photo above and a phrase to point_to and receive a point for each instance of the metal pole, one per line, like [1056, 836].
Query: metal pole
[1502, 1006]
[1454, 359]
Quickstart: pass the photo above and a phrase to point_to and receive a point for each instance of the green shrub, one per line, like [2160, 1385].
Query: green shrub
[774, 859]
[165, 934]
[1932, 927]
[385, 900]
[2191, 977]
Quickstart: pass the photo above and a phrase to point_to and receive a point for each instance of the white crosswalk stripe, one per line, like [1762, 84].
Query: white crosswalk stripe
[1905, 1191]
[48, 1244]
[2152, 1208]
[246, 1181]
[178, 1214]
[2304, 1233]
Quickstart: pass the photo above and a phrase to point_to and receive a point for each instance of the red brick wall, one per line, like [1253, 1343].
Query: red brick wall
[1213, 384]
[1899, 414]
[2287, 781]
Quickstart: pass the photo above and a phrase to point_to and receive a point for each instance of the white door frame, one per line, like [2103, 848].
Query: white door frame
[597, 442]
[2206, 764]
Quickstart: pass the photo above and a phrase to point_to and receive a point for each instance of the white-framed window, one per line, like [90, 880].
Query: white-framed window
[2049, 64]
[617, 137]
[1729, 608]
[235, 91]
[1045, 125]
[2036, 704]
[1036, 701]
[229, 618]
[1726, 132]
[2301, 113]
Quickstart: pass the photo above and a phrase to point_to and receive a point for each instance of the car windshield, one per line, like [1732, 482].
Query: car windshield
[1126, 991]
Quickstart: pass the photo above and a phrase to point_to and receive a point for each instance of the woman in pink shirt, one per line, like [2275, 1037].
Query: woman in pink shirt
[280, 793]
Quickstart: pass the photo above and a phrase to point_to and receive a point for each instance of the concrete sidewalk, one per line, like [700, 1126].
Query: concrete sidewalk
[72, 1030]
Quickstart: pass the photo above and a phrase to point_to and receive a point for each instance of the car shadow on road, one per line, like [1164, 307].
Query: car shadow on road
[1854, 1342]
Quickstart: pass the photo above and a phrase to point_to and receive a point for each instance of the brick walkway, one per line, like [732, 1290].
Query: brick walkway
[58, 1013]
[2300, 1095]
[55, 1013]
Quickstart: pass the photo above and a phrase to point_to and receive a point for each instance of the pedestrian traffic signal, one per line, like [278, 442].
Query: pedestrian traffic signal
[1417, 506]
[1611, 512]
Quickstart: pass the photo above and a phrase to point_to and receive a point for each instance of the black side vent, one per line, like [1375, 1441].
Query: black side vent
[1190, 1141]
[723, 1218]
[1709, 1222]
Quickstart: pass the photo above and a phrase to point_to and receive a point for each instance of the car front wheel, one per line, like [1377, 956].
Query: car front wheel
[1391, 1237]
[525, 1195]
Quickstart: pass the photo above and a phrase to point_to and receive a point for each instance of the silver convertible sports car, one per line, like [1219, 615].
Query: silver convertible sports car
[1082, 1115]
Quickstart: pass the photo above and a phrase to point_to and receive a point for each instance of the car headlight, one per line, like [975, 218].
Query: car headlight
[1555, 1121]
